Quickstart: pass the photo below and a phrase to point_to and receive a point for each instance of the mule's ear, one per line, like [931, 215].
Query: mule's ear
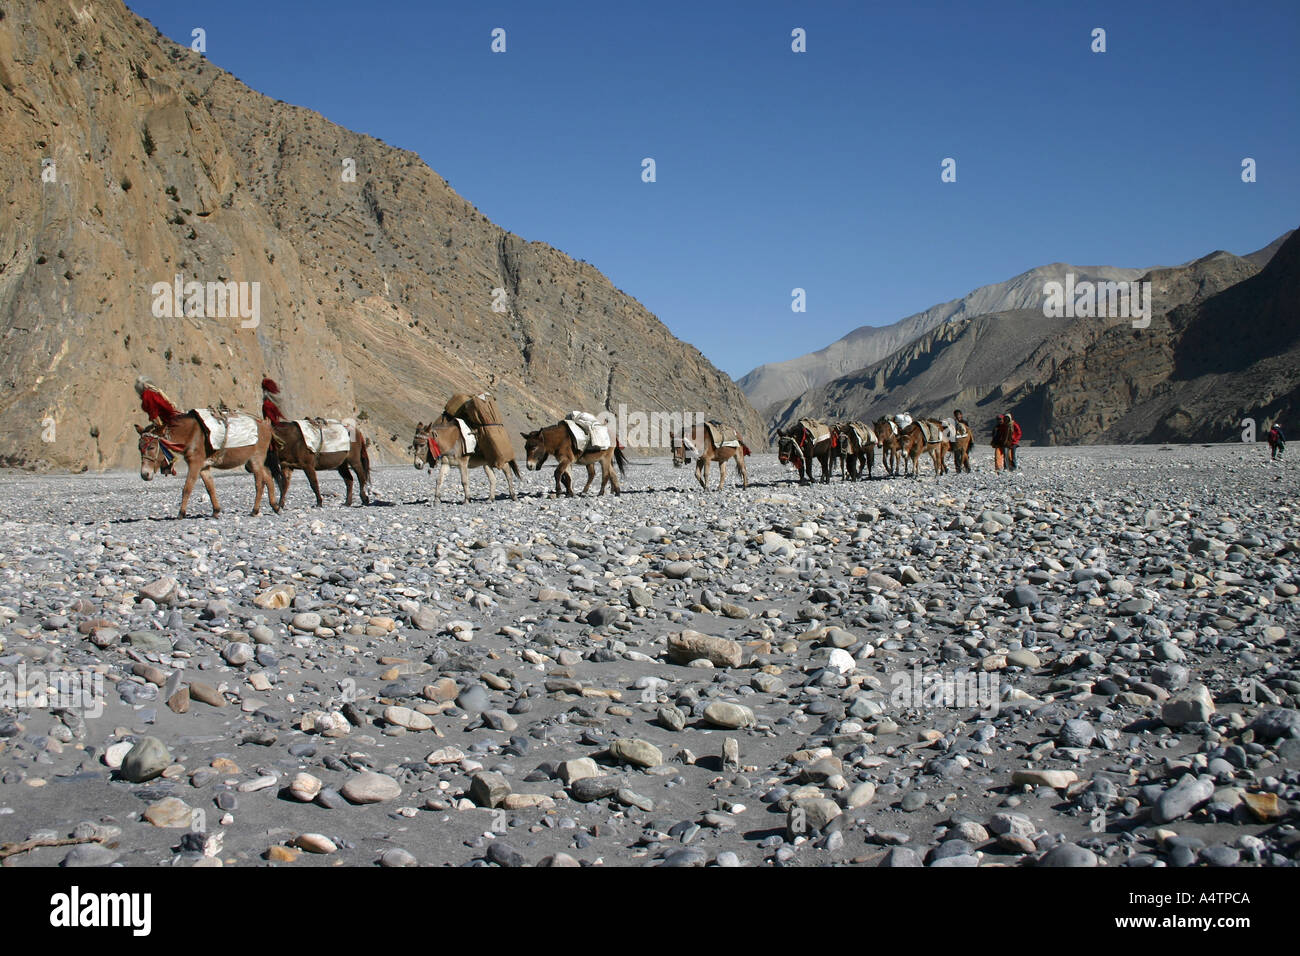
[523, 434]
[139, 429]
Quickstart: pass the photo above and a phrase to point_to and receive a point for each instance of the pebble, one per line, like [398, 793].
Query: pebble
[646, 681]
[371, 787]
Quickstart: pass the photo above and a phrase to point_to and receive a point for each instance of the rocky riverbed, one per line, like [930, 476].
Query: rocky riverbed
[1092, 661]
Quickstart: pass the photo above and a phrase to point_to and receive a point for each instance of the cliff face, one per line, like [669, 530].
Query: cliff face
[1223, 344]
[379, 293]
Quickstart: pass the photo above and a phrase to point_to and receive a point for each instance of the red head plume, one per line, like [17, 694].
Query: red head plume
[268, 385]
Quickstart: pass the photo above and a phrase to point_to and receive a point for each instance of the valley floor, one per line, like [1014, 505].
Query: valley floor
[1091, 661]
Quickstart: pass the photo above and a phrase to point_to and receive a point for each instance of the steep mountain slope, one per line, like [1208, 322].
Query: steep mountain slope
[777, 382]
[1232, 354]
[376, 292]
[1067, 380]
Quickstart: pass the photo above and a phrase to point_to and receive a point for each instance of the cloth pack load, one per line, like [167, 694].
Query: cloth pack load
[864, 433]
[817, 428]
[481, 413]
[324, 436]
[719, 435]
[589, 434]
[229, 429]
[932, 430]
[952, 430]
[467, 433]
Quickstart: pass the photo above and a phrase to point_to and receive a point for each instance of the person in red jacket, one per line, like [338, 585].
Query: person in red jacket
[1013, 441]
[270, 410]
[161, 411]
[999, 442]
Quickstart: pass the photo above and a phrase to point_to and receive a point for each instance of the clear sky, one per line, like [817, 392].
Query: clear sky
[818, 170]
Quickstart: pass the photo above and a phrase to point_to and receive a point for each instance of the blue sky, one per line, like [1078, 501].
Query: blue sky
[817, 170]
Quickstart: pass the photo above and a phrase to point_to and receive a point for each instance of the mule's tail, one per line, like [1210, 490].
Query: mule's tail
[365, 463]
[273, 464]
[744, 448]
[514, 466]
[621, 459]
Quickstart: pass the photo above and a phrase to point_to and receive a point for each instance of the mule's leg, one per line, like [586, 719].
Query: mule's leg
[722, 472]
[744, 470]
[346, 473]
[510, 483]
[363, 479]
[591, 476]
[492, 483]
[285, 474]
[206, 475]
[559, 474]
[262, 475]
[310, 471]
[191, 476]
[443, 468]
[702, 472]
[567, 479]
[464, 481]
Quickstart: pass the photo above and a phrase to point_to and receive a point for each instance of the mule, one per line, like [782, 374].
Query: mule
[556, 441]
[441, 443]
[289, 450]
[887, 434]
[856, 448]
[186, 438]
[822, 450]
[913, 443]
[706, 451]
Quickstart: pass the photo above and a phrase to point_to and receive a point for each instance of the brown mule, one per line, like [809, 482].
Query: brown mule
[441, 443]
[556, 441]
[289, 451]
[887, 434]
[913, 442]
[706, 451]
[185, 436]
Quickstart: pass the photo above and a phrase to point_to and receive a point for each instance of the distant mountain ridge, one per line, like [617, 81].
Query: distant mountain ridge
[776, 382]
[1223, 344]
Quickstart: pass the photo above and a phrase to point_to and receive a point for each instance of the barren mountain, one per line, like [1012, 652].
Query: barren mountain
[1090, 380]
[1231, 354]
[130, 160]
[768, 385]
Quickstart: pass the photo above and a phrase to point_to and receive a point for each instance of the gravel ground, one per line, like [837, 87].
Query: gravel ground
[1091, 661]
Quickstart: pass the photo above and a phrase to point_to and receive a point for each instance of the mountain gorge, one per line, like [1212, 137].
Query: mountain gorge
[131, 160]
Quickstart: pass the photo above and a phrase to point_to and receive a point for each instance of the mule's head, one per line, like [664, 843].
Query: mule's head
[150, 453]
[420, 444]
[534, 450]
[787, 450]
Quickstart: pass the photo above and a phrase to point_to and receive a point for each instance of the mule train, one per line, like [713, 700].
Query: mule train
[852, 444]
[470, 433]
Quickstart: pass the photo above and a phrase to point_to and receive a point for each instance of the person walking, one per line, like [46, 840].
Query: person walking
[1276, 442]
[1001, 436]
[1013, 441]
